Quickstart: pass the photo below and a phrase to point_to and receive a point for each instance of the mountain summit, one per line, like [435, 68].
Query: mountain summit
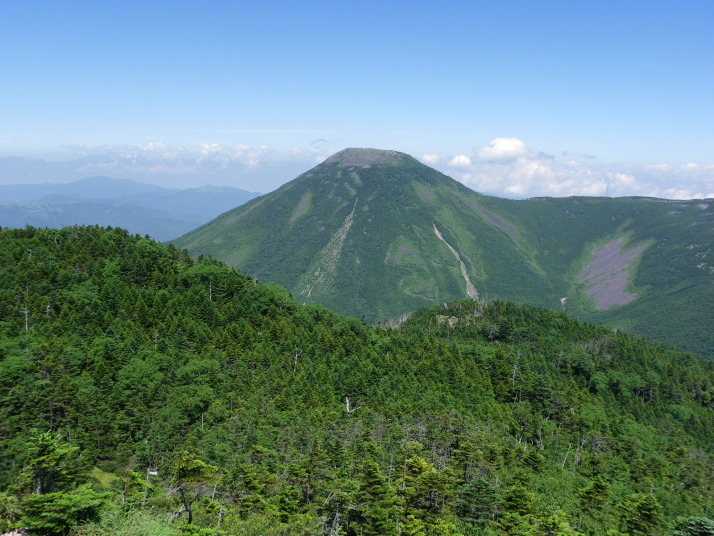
[365, 157]
[370, 233]
[375, 234]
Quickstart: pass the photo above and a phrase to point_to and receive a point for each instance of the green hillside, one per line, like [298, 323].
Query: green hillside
[362, 238]
[670, 277]
[144, 392]
[376, 234]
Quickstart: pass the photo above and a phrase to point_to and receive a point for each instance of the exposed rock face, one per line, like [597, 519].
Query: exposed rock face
[362, 157]
[608, 273]
[470, 288]
[329, 257]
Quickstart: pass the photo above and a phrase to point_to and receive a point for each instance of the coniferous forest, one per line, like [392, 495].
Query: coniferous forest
[144, 392]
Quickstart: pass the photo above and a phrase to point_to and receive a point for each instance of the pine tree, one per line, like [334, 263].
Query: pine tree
[191, 475]
[478, 501]
[694, 526]
[641, 514]
[375, 500]
[596, 495]
[51, 465]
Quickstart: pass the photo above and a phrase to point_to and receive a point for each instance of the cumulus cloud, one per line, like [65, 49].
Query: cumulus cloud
[502, 149]
[254, 168]
[460, 161]
[624, 179]
[507, 167]
[660, 167]
[210, 148]
[431, 159]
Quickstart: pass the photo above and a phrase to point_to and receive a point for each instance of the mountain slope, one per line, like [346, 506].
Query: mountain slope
[195, 395]
[375, 234]
[162, 213]
[58, 213]
[640, 264]
[96, 188]
[363, 225]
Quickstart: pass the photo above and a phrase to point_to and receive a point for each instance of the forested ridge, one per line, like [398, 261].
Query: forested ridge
[146, 392]
[375, 234]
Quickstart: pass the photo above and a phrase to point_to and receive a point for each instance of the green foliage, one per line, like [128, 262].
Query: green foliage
[114, 522]
[375, 499]
[641, 514]
[365, 245]
[191, 476]
[222, 405]
[478, 501]
[556, 524]
[51, 465]
[695, 526]
[9, 511]
[56, 513]
[594, 496]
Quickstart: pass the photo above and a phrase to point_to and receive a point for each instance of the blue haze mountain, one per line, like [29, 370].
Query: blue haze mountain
[162, 213]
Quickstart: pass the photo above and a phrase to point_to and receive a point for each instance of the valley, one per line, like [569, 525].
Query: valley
[148, 389]
[356, 268]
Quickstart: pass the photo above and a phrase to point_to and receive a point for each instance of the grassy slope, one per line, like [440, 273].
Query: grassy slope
[673, 280]
[390, 261]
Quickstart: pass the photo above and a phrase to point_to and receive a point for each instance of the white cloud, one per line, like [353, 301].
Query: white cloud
[517, 190]
[511, 169]
[507, 167]
[624, 179]
[660, 167]
[210, 148]
[502, 149]
[535, 177]
[431, 159]
[679, 193]
[255, 168]
[460, 161]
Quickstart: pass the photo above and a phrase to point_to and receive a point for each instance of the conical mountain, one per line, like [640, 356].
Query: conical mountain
[375, 234]
[369, 233]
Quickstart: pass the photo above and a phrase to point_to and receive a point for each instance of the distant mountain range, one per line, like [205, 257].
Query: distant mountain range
[162, 213]
[376, 234]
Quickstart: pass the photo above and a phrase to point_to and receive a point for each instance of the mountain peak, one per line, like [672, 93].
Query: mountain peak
[364, 157]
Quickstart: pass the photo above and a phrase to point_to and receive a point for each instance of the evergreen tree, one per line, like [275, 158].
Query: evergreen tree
[191, 476]
[375, 500]
[54, 514]
[694, 526]
[594, 496]
[641, 514]
[51, 465]
[478, 501]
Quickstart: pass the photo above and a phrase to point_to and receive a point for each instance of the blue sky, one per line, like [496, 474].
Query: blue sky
[515, 99]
